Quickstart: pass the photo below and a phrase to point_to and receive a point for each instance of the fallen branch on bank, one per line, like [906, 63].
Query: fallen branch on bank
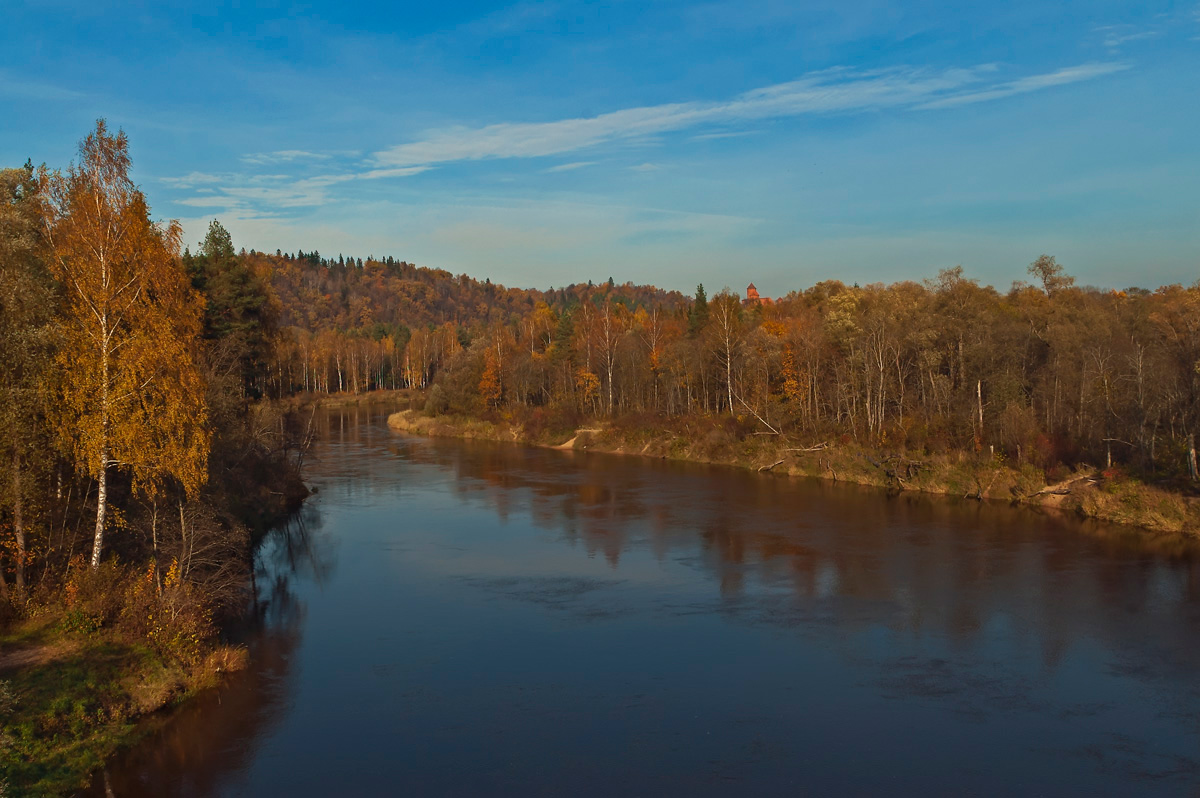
[1064, 488]
[762, 420]
[980, 490]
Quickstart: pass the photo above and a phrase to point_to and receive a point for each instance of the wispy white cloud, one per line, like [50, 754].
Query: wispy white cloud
[284, 156]
[829, 91]
[304, 193]
[270, 194]
[1061, 77]
[723, 134]
[209, 201]
[1116, 36]
[826, 92]
[192, 179]
[403, 171]
[1114, 40]
[569, 167]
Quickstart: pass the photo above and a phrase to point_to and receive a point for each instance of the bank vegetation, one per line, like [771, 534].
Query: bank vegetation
[137, 461]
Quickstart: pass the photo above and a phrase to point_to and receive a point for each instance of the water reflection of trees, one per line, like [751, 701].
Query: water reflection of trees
[914, 563]
[197, 749]
[807, 556]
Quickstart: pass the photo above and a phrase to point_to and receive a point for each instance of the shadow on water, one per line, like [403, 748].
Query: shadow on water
[482, 618]
[199, 745]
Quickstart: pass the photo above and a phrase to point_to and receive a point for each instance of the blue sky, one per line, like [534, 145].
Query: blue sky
[546, 143]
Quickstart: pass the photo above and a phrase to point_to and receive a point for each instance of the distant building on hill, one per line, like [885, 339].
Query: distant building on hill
[752, 297]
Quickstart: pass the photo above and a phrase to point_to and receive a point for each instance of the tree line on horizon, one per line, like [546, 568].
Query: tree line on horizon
[1046, 373]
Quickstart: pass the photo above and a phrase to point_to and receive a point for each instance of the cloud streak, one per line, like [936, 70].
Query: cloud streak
[828, 92]
[1061, 77]
[286, 193]
[1115, 40]
[835, 91]
[570, 167]
[192, 180]
[284, 156]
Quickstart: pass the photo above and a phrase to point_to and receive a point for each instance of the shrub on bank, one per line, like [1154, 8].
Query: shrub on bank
[1128, 501]
[137, 606]
[437, 403]
[94, 652]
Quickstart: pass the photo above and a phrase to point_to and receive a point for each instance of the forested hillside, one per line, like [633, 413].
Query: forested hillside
[1046, 373]
[349, 322]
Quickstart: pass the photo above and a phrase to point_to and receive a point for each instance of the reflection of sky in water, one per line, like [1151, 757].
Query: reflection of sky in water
[483, 618]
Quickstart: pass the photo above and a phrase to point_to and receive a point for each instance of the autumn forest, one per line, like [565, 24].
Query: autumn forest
[132, 363]
[153, 394]
[1049, 372]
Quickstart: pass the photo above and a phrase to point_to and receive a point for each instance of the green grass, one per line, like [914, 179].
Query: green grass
[61, 717]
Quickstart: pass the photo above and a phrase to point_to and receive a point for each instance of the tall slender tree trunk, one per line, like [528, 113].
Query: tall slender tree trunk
[609, 369]
[729, 371]
[102, 476]
[101, 507]
[154, 541]
[186, 557]
[979, 405]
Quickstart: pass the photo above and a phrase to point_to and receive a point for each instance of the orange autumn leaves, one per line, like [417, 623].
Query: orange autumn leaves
[128, 391]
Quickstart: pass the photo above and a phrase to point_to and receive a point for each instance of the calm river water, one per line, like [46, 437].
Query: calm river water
[464, 618]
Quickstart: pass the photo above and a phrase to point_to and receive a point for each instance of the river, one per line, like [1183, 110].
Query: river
[465, 618]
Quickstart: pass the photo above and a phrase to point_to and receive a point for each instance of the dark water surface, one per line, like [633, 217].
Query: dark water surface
[459, 618]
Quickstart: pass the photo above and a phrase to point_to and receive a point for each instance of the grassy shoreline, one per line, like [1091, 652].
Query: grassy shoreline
[71, 696]
[1109, 496]
[89, 656]
[78, 685]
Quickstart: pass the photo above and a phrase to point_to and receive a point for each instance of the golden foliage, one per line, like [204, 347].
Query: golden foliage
[588, 384]
[128, 390]
[128, 386]
[490, 388]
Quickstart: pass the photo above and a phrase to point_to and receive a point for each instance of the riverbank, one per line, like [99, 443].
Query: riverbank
[87, 655]
[1110, 496]
[73, 693]
[394, 397]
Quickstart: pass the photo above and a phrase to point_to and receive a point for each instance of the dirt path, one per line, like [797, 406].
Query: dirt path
[25, 656]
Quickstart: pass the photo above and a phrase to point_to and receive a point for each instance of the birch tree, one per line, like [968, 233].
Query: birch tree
[727, 331]
[129, 393]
